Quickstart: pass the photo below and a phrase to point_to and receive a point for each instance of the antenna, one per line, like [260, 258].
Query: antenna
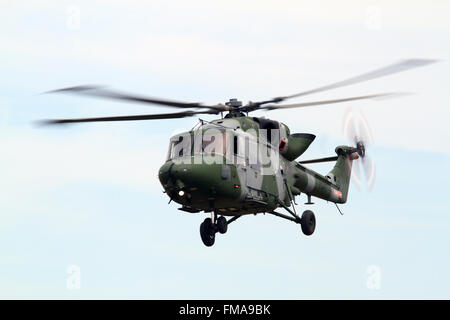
[338, 209]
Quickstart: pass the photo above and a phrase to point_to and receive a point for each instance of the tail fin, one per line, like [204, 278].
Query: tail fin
[342, 170]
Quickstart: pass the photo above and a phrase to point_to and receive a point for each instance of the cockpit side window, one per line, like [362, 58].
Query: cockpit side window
[208, 142]
[214, 143]
[245, 149]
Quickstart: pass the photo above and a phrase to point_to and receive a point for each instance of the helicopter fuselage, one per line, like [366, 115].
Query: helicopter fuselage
[241, 165]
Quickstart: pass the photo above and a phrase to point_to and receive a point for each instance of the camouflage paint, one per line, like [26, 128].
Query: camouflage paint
[242, 188]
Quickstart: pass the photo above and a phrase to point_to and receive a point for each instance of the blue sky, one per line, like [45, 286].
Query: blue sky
[88, 195]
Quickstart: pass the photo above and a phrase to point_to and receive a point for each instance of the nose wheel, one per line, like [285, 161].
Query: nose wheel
[208, 229]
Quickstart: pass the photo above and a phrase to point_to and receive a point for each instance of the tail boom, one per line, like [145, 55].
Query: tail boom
[332, 187]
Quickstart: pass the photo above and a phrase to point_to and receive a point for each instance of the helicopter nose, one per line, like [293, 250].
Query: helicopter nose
[197, 185]
[176, 176]
[164, 174]
[190, 174]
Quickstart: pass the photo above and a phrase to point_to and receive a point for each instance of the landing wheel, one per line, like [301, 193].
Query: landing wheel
[222, 224]
[308, 222]
[207, 232]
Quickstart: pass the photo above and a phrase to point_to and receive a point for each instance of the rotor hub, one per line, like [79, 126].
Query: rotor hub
[361, 149]
[234, 103]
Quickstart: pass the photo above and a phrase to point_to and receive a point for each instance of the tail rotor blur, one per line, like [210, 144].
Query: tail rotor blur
[357, 130]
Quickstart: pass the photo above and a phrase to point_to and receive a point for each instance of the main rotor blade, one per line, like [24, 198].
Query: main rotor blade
[97, 91]
[129, 118]
[378, 73]
[328, 159]
[317, 103]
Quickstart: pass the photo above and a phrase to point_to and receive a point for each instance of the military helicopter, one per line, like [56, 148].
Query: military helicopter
[238, 165]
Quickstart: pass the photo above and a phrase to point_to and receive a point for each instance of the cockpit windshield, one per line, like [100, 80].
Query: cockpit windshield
[188, 145]
[178, 147]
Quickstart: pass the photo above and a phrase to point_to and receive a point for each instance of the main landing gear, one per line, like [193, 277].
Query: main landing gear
[307, 221]
[209, 228]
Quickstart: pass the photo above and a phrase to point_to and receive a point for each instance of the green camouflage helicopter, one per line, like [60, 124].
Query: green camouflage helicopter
[239, 165]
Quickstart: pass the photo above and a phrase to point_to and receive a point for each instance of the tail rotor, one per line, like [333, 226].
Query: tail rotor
[357, 130]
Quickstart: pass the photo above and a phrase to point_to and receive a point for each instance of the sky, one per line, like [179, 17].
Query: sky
[82, 211]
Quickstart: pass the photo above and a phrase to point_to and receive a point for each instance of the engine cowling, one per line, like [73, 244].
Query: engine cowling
[295, 145]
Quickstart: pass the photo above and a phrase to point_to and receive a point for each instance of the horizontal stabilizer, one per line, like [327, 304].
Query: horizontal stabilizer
[328, 159]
